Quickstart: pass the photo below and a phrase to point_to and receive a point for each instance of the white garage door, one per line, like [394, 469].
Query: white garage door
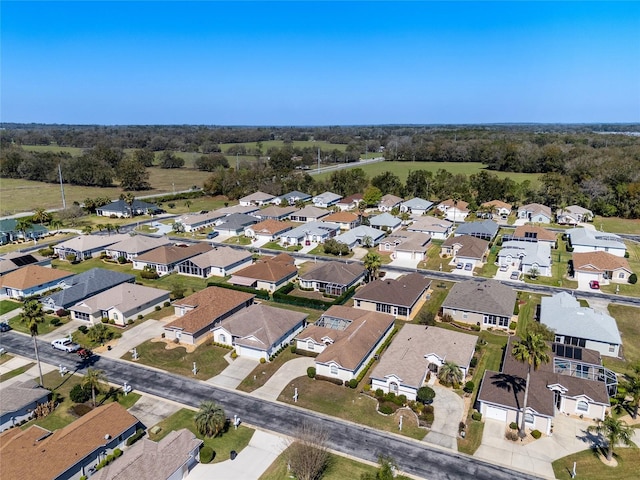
[249, 352]
[496, 413]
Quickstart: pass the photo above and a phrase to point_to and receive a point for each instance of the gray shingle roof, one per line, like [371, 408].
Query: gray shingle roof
[487, 228]
[335, 272]
[20, 394]
[87, 284]
[482, 296]
[384, 220]
[403, 292]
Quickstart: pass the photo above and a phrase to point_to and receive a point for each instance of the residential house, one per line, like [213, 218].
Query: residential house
[316, 232]
[574, 382]
[121, 209]
[402, 297]
[388, 202]
[499, 209]
[9, 231]
[485, 229]
[166, 259]
[172, 458]
[438, 228]
[31, 280]
[345, 339]
[193, 222]
[291, 198]
[385, 221]
[536, 213]
[268, 230]
[69, 452]
[235, 224]
[584, 240]
[308, 214]
[121, 303]
[416, 206]
[84, 285]
[406, 245]
[573, 215]
[259, 330]
[332, 278]
[12, 261]
[361, 235]
[526, 257]
[199, 313]
[269, 274]
[454, 210]
[257, 198]
[416, 351]
[274, 213]
[580, 326]
[532, 233]
[350, 203]
[481, 302]
[465, 249]
[345, 220]
[219, 262]
[83, 247]
[135, 245]
[326, 199]
[600, 266]
[246, 209]
[19, 400]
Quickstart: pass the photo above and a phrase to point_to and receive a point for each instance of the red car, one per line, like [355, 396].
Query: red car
[594, 285]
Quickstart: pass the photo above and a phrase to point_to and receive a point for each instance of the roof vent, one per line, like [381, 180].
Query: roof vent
[107, 436]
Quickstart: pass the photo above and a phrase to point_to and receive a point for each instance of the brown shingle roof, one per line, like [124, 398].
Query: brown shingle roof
[598, 262]
[48, 458]
[404, 291]
[271, 226]
[166, 255]
[210, 304]
[341, 217]
[461, 205]
[270, 270]
[540, 233]
[496, 204]
[471, 247]
[32, 276]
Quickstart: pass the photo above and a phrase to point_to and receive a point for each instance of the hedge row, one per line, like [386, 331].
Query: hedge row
[177, 196]
[282, 296]
[337, 381]
[262, 294]
[135, 437]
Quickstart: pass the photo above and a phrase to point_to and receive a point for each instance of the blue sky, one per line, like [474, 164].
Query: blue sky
[319, 63]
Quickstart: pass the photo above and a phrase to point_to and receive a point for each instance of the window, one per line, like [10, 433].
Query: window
[309, 345]
[612, 348]
[334, 370]
[393, 387]
[465, 315]
[357, 303]
[81, 316]
[621, 275]
[582, 406]
[403, 311]
[222, 338]
[529, 418]
[383, 307]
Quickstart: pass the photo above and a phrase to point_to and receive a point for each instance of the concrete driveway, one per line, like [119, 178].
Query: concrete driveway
[135, 336]
[233, 375]
[407, 263]
[152, 410]
[448, 409]
[63, 331]
[284, 376]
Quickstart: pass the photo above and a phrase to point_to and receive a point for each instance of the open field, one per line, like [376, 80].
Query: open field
[590, 467]
[617, 225]
[627, 320]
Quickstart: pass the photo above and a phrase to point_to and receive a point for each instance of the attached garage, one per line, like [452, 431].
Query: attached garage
[495, 413]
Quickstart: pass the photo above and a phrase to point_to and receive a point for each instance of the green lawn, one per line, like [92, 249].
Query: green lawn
[222, 445]
[43, 328]
[265, 371]
[439, 291]
[83, 339]
[617, 225]
[16, 372]
[8, 305]
[470, 443]
[629, 327]
[277, 246]
[209, 359]
[434, 261]
[590, 467]
[5, 357]
[527, 311]
[489, 269]
[239, 240]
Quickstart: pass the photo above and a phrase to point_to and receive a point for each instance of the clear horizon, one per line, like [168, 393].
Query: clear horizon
[320, 63]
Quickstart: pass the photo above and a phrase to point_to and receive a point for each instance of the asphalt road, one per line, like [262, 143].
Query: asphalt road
[362, 442]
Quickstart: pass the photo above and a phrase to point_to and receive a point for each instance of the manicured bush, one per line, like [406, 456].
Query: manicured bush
[512, 325]
[293, 349]
[626, 254]
[633, 279]
[379, 393]
[83, 329]
[234, 354]
[333, 380]
[62, 312]
[512, 435]
[402, 399]
[55, 321]
[263, 360]
[135, 437]
[130, 321]
[469, 386]
[71, 258]
[149, 274]
[158, 308]
[425, 395]
[122, 260]
[474, 362]
[513, 426]
[536, 434]
[206, 454]
[117, 452]
[386, 409]
[112, 322]
[353, 383]
[262, 294]
[477, 416]
[140, 317]
[311, 372]
[167, 304]
[79, 394]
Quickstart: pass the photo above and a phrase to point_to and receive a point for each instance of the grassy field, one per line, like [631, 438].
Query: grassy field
[629, 327]
[590, 467]
[16, 372]
[43, 328]
[222, 445]
[7, 306]
[265, 371]
[617, 225]
[527, 311]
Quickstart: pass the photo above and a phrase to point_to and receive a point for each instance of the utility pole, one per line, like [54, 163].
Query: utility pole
[237, 164]
[318, 160]
[64, 202]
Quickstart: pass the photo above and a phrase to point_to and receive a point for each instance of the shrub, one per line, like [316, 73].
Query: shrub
[461, 427]
[512, 435]
[122, 260]
[513, 426]
[353, 383]
[167, 304]
[46, 252]
[293, 349]
[79, 394]
[130, 321]
[474, 362]
[469, 386]
[83, 329]
[62, 312]
[135, 437]
[475, 328]
[379, 393]
[425, 395]
[426, 318]
[112, 322]
[206, 454]
[140, 317]
[158, 308]
[386, 409]
[477, 416]
[402, 399]
[55, 321]
[149, 274]
[536, 434]
[333, 380]
[311, 372]
[633, 279]
[516, 309]
[117, 452]
[110, 458]
[71, 258]
[447, 318]
[626, 254]
[512, 325]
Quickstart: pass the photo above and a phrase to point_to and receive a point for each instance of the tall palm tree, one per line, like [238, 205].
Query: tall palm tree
[210, 419]
[450, 374]
[95, 379]
[129, 198]
[372, 263]
[32, 316]
[87, 229]
[614, 431]
[22, 225]
[41, 216]
[533, 351]
[632, 389]
[55, 224]
[109, 228]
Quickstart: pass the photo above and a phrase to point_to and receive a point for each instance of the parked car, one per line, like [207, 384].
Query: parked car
[212, 234]
[504, 268]
[468, 267]
[459, 266]
[4, 327]
[594, 285]
[65, 345]
[515, 276]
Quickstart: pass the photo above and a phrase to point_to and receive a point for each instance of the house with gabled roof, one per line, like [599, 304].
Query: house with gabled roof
[135, 245]
[9, 231]
[332, 277]
[465, 249]
[12, 261]
[574, 382]
[402, 297]
[388, 202]
[350, 203]
[268, 230]
[526, 257]
[199, 313]
[220, 261]
[166, 259]
[600, 266]
[326, 199]
[345, 220]
[438, 228]
[532, 233]
[580, 326]
[192, 222]
[454, 210]
[345, 339]
[406, 245]
[257, 198]
[275, 213]
[235, 224]
[83, 285]
[416, 351]
[87, 246]
[316, 232]
[259, 330]
[584, 240]
[246, 209]
[416, 206]
[31, 280]
[385, 221]
[309, 214]
[19, 400]
[573, 215]
[536, 213]
[485, 229]
[481, 302]
[122, 209]
[120, 303]
[269, 274]
[291, 198]
[361, 235]
[498, 208]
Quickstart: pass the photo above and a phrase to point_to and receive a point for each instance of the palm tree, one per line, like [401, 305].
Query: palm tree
[450, 374]
[632, 389]
[55, 224]
[32, 315]
[405, 217]
[533, 351]
[109, 228]
[94, 379]
[210, 419]
[87, 229]
[614, 431]
[22, 225]
[41, 216]
[100, 226]
[372, 263]
[129, 198]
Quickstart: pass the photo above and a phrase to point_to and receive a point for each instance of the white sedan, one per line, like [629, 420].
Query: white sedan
[65, 345]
